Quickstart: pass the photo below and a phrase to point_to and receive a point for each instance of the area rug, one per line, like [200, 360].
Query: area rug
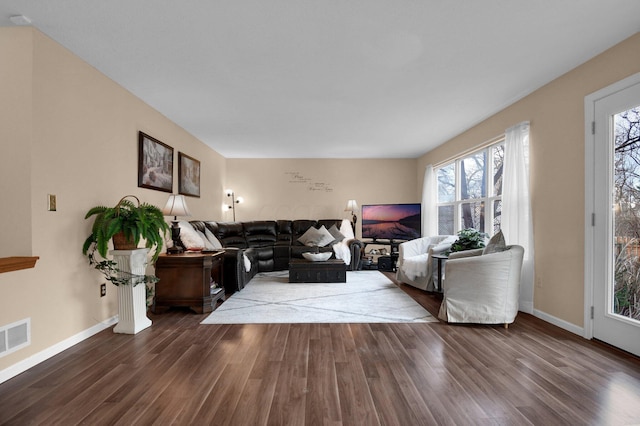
[366, 297]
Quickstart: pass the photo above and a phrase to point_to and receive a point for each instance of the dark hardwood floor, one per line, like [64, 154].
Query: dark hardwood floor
[180, 372]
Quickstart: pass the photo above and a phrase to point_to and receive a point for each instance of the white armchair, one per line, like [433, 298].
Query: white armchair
[482, 288]
[415, 265]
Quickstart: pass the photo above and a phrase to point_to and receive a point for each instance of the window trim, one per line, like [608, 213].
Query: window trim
[490, 196]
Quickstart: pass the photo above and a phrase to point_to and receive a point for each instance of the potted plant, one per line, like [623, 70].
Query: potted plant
[468, 239]
[126, 224]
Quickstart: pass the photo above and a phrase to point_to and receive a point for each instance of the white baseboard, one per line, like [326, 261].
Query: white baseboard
[526, 307]
[559, 322]
[36, 359]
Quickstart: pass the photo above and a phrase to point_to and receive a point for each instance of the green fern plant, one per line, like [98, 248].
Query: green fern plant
[134, 222]
[468, 239]
[126, 221]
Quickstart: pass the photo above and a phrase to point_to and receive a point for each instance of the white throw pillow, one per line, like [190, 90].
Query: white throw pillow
[496, 244]
[337, 235]
[327, 238]
[212, 239]
[207, 243]
[316, 237]
[189, 237]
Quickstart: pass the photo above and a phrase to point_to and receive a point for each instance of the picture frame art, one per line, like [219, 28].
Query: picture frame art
[189, 175]
[155, 164]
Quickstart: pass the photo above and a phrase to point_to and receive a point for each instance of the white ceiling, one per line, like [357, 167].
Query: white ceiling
[330, 78]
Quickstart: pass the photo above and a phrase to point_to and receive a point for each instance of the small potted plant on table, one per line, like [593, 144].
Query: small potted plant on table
[468, 239]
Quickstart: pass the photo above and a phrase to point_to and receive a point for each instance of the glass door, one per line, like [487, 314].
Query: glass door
[616, 287]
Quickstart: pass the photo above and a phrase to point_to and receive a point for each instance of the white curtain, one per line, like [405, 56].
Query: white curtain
[429, 199]
[517, 225]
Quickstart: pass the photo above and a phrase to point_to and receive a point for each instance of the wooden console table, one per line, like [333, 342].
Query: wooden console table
[193, 280]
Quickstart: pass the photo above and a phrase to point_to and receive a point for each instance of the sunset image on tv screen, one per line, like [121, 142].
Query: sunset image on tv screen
[391, 221]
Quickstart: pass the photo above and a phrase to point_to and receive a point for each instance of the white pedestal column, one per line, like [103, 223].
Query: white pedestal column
[132, 300]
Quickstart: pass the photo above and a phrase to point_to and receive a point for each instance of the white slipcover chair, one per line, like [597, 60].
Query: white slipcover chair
[415, 265]
[482, 288]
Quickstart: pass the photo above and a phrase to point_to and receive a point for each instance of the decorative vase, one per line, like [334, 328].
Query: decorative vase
[132, 299]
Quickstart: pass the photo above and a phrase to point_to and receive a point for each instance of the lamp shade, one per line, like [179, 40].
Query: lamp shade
[351, 206]
[176, 206]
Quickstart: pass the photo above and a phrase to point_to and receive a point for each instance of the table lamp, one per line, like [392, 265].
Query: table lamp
[352, 207]
[176, 206]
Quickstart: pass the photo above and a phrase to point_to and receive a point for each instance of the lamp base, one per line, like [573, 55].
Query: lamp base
[175, 250]
[175, 236]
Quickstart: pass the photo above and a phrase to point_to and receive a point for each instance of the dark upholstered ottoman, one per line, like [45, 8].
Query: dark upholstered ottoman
[306, 271]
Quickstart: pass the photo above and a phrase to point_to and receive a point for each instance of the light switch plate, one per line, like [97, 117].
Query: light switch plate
[51, 202]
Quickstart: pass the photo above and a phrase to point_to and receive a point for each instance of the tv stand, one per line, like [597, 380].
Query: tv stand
[374, 258]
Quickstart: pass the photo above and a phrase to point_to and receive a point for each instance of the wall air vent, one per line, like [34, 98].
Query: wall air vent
[15, 336]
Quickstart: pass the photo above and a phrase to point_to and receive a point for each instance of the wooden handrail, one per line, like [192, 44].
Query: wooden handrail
[16, 263]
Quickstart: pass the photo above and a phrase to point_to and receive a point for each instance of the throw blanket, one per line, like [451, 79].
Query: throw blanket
[342, 252]
[341, 249]
[415, 266]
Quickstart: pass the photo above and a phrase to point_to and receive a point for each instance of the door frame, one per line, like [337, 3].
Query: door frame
[590, 201]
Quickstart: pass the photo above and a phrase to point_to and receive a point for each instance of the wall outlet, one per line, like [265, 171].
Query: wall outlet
[103, 289]
[51, 202]
[538, 282]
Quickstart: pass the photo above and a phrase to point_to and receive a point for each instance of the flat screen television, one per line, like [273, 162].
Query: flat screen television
[391, 221]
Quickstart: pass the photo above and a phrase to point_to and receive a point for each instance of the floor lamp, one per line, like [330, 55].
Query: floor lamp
[234, 201]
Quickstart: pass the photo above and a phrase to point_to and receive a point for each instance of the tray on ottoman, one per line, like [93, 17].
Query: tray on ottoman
[306, 271]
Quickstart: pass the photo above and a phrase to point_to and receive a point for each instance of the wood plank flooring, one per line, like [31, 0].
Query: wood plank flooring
[180, 372]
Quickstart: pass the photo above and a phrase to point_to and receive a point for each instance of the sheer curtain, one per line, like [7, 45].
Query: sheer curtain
[517, 224]
[429, 199]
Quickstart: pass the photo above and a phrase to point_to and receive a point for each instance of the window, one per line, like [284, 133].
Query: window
[470, 191]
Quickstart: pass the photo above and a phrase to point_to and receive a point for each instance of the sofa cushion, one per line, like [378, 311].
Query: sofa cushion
[212, 239]
[328, 223]
[316, 237]
[496, 244]
[189, 237]
[211, 226]
[299, 227]
[205, 240]
[198, 225]
[260, 233]
[264, 257]
[285, 231]
[336, 234]
[231, 234]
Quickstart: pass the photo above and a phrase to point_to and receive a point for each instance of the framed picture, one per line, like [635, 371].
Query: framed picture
[189, 175]
[155, 164]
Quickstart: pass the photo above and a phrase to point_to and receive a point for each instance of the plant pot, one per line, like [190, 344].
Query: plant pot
[121, 242]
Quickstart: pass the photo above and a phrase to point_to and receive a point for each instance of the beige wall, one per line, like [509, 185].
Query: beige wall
[73, 133]
[556, 113]
[70, 131]
[15, 136]
[317, 188]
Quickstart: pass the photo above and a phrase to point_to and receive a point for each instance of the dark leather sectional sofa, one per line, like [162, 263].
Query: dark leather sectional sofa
[268, 244]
